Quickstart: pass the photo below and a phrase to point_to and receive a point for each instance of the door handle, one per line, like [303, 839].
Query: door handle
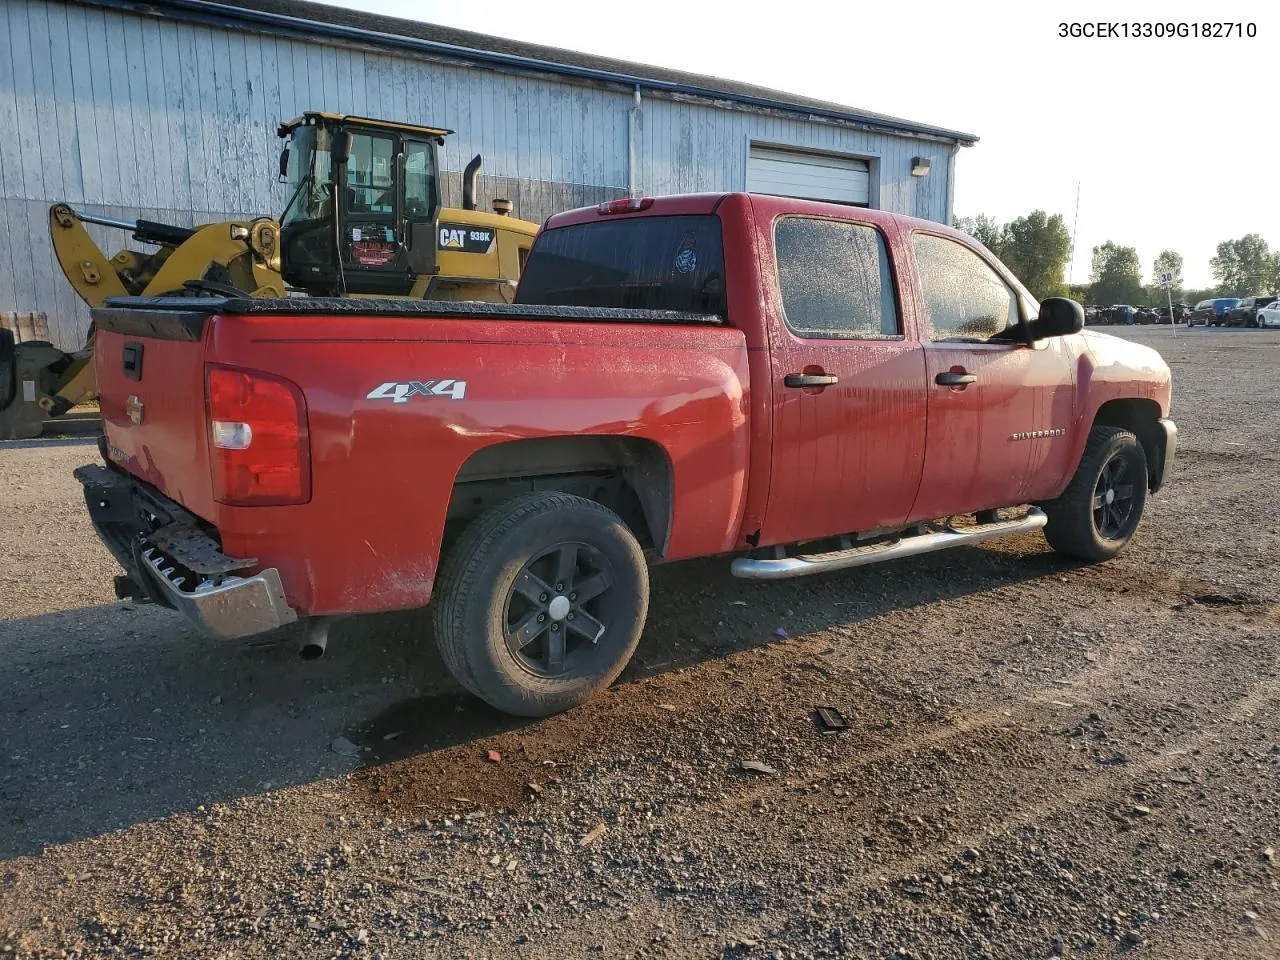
[810, 380]
[949, 379]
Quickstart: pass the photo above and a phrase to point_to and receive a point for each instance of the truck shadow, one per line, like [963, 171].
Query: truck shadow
[110, 716]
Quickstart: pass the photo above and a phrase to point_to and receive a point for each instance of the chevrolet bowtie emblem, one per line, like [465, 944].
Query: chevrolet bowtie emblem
[133, 406]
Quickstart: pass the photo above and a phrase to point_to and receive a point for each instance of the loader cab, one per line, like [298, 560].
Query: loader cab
[363, 204]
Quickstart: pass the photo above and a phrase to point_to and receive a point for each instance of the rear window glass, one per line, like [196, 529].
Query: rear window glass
[643, 263]
[834, 278]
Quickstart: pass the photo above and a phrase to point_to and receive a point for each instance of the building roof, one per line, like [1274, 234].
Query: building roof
[303, 16]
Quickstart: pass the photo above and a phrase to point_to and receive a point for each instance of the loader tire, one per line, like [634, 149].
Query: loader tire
[8, 368]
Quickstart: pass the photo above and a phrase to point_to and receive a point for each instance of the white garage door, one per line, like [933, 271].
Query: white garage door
[810, 176]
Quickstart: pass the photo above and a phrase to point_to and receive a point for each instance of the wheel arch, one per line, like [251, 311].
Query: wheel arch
[633, 476]
[1141, 417]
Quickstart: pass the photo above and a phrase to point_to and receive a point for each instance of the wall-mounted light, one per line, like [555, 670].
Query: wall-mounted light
[919, 166]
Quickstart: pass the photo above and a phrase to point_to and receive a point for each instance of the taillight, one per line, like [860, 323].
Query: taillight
[258, 448]
[625, 205]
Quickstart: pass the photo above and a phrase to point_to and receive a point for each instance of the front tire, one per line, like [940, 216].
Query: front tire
[1098, 513]
[541, 602]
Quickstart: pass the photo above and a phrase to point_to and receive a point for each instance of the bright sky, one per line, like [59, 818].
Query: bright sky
[1175, 142]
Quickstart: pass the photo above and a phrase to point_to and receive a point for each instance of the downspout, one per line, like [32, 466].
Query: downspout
[633, 135]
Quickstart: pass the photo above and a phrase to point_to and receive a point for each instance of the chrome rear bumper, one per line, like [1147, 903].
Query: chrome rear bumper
[171, 559]
[235, 607]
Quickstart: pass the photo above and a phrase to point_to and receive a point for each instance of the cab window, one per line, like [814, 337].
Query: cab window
[834, 278]
[369, 187]
[419, 179]
[964, 298]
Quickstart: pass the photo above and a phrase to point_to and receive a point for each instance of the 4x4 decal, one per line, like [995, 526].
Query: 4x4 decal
[401, 392]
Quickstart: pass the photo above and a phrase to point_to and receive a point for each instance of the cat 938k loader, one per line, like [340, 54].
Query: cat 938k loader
[364, 218]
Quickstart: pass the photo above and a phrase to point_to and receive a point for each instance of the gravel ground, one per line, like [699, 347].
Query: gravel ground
[1043, 759]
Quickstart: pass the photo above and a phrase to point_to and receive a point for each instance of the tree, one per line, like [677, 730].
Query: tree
[1169, 262]
[1036, 248]
[1246, 266]
[1116, 276]
[982, 228]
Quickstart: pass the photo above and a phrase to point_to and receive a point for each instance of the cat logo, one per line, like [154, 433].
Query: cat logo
[459, 237]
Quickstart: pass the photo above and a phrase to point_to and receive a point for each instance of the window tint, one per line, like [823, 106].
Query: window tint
[834, 278]
[419, 179]
[964, 298]
[369, 174]
[649, 263]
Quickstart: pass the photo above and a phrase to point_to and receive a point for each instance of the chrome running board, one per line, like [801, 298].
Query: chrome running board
[752, 568]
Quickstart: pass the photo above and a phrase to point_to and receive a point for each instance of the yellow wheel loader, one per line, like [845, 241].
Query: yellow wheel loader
[364, 219]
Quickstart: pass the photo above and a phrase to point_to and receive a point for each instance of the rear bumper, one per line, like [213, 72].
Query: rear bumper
[172, 561]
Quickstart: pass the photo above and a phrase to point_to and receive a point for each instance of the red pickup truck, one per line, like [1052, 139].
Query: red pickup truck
[805, 386]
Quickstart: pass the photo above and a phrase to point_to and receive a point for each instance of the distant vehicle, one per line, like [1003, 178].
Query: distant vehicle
[1269, 316]
[1180, 313]
[1123, 313]
[1146, 315]
[1221, 305]
[1202, 313]
[1245, 313]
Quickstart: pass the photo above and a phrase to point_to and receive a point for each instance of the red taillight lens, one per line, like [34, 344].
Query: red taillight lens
[258, 448]
[625, 205]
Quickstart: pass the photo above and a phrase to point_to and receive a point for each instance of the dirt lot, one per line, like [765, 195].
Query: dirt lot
[1044, 759]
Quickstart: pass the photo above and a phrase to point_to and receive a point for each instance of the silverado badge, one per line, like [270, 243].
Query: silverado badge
[133, 406]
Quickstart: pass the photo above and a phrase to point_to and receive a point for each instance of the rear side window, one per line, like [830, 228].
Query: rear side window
[834, 278]
[964, 298]
[644, 263]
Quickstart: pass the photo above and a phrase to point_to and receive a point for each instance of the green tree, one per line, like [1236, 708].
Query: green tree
[1116, 276]
[1036, 248]
[1169, 261]
[1246, 266]
[982, 228]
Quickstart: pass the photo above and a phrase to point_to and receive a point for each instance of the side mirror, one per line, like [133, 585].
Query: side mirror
[284, 164]
[342, 147]
[1058, 318]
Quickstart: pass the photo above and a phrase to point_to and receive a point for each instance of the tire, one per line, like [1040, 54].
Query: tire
[1083, 522]
[8, 368]
[521, 560]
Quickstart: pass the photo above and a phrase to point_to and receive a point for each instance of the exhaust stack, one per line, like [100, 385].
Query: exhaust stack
[469, 177]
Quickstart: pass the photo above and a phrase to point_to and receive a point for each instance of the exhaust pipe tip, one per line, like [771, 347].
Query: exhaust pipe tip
[316, 640]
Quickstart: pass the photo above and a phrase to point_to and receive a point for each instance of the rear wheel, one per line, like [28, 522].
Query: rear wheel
[1101, 508]
[541, 602]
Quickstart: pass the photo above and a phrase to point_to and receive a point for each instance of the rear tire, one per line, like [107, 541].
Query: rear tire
[541, 602]
[1098, 513]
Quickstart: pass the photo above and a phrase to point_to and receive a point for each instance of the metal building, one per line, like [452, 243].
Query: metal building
[167, 110]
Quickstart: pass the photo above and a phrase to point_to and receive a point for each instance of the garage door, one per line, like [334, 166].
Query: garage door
[810, 176]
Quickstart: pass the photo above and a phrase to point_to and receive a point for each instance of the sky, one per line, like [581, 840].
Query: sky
[1174, 143]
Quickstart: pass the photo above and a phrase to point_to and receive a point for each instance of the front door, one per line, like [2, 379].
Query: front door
[999, 410]
[848, 387]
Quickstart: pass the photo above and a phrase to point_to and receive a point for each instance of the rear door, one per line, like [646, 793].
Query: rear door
[999, 410]
[848, 385]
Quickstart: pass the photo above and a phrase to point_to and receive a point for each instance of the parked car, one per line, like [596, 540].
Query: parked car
[1202, 314]
[680, 377]
[1269, 316]
[1146, 315]
[1221, 306]
[1180, 313]
[1245, 313]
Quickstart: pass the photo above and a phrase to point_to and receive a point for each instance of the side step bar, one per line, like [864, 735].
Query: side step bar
[751, 568]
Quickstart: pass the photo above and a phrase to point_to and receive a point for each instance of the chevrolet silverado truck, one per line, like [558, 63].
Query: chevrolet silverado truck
[798, 386]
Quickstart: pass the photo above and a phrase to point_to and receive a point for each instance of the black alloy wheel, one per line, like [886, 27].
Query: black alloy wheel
[558, 610]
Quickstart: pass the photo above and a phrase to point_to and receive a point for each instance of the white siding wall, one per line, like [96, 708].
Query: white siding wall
[133, 116]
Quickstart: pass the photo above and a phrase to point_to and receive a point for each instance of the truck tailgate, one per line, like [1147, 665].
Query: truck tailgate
[151, 377]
